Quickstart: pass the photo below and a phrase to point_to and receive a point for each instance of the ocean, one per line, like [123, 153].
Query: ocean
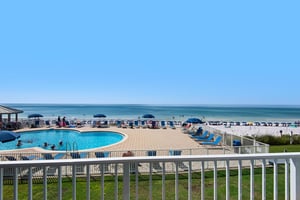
[165, 112]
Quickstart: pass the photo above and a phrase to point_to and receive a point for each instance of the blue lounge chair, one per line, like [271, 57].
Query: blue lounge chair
[100, 154]
[209, 138]
[49, 156]
[118, 124]
[51, 171]
[104, 167]
[171, 125]
[31, 157]
[34, 169]
[163, 124]
[136, 124]
[215, 142]
[144, 124]
[198, 132]
[10, 158]
[47, 122]
[203, 136]
[103, 125]
[156, 166]
[77, 155]
[181, 165]
[130, 124]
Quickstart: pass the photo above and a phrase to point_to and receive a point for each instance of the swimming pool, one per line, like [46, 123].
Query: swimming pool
[71, 139]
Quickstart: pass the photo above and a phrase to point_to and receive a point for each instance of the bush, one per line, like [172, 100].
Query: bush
[277, 140]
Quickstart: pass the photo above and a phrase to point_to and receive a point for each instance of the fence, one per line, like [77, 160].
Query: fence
[127, 186]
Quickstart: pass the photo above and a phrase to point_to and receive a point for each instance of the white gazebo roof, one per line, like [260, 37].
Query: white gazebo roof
[8, 110]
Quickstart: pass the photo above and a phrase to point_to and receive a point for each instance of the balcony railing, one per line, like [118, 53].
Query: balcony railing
[127, 172]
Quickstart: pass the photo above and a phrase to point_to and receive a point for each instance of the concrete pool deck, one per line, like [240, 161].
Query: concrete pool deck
[139, 139]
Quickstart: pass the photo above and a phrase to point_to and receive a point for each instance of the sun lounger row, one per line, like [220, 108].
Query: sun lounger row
[145, 124]
[206, 138]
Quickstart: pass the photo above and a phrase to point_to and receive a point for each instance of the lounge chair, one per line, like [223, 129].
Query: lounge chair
[77, 155]
[156, 166]
[124, 124]
[198, 132]
[118, 123]
[181, 165]
[34, 169]
[103, 155]
[49, 156]
[215, 142]
[154, 124]
[163, 124]
[31, 157]
[209, 138]
[136, 124]
[203, 136]
[105, 124]
[143, 124]
[10, 158]
[171, 125]
[130, 124]
[51, 171]
[47, 123]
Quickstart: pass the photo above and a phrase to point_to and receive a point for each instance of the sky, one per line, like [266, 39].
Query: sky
[150, 52]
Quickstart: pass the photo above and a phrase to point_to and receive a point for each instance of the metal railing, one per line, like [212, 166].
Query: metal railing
[127, 173]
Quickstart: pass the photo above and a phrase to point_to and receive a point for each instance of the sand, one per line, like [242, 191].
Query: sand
[258, 130]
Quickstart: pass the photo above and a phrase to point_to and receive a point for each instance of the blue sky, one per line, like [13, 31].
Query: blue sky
[150, 52]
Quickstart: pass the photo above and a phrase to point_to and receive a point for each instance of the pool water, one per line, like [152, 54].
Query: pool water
[71, 139]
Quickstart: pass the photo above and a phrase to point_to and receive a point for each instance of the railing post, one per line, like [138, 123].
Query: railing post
[45, 181]
[287, 180]
[126, 181]
[15, 171]
[30, 183]
[294, 178]
[163, 187]
[74, 169]
[1, 183]
[116, 182]
[88, 181]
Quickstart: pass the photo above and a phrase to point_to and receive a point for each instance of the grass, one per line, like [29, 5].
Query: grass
[143, 184]
[283, 148]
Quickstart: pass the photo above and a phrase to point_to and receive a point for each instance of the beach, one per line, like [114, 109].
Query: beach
[257, 130]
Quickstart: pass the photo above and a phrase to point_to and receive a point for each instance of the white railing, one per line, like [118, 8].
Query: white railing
[130, 169]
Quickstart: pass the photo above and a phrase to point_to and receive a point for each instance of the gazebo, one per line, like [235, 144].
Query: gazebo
[4, 110]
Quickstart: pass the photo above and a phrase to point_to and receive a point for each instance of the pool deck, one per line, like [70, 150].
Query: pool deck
[139, 139]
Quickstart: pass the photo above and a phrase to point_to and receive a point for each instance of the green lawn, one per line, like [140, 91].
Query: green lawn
[157, 185]
[282, 148]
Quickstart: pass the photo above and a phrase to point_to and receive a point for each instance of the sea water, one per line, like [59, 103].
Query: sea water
[165, 112]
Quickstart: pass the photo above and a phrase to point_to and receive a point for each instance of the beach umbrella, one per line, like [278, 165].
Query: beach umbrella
[100, 115]
[194, 121]
[35, 115]
[7, 136]
[148, 116]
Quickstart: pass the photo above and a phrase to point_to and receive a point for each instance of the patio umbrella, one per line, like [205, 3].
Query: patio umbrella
[148, 116]
[7, 136]
[35, 115]
[194, 121]
[100, 115]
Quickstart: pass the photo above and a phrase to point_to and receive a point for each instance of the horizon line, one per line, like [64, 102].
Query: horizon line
[158, 104]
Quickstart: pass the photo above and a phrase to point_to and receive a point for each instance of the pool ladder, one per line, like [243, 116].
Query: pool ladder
[69, 148]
